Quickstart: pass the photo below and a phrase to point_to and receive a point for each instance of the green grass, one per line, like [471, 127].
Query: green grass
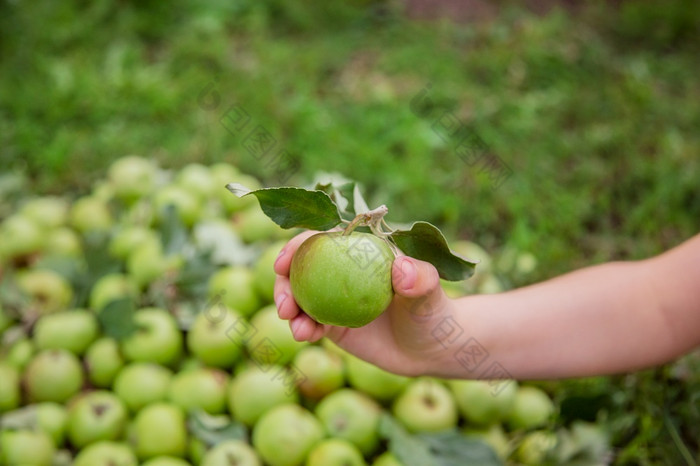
[596, 113]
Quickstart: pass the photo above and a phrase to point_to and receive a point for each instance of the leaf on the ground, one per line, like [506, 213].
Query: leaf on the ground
[212, 430]
[424, 241]
[116, 318]
[294, 207]
[404, 446]
[450, 448]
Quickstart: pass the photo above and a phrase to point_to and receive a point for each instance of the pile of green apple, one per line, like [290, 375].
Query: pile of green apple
[162, 346]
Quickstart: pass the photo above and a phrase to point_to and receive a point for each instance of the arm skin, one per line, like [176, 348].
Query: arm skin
[611, 318]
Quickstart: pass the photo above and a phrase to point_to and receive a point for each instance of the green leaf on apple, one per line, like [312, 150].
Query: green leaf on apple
[448, 448]
[424, 241]
[117, 318]
[294, 207]
[212, 429]
[327, 206]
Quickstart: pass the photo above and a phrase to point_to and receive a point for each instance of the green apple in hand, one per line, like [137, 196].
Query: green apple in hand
[426, 405]
[26, 447]
[53, 375]
[158, 338]
[213, 337]
[231, 452]
[351, 415]
[322, 371]
[159, 429]
[203, 388]
[103, 361]
[285, 435]
[342, 279]
[106, 453]
[257, 389]
[94, 416]
[72, 330]
[335, 452]
[141, 383]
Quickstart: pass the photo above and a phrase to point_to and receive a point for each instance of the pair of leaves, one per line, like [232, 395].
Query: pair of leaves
[448, 448]
[327, 207]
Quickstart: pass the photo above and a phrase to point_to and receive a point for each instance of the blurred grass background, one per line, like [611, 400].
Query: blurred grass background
[596, 111]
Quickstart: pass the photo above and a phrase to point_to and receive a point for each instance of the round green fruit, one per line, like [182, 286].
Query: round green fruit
[264, 272]
[167, 461]
[351, 415]
[322, 369]
[141, 383]
[285, 435]
[342, 280]
[484, 402]
[103, 361]
[25, 447]
[9, 387]
[20, 353]
[253, 225]
[95, 416]
[235, 287]
[187, 205]
[106, 453]
[272, 341]
[90, 214]
[48, 211]
[531, 408]
[386, 459]
[130, 238]
[231, 452]
[198, 179]
[111, 287]
[52, 418]
[132, 177]
[47, 290]
[216, 336]
[158, 338]
[159, 429]
[372, 380]
[53, 375]
[335, 452]
[196, 389]
[21, 236]
[536, 448]
[70, 330]
[426, 406]
[63, 242]
[257, 389]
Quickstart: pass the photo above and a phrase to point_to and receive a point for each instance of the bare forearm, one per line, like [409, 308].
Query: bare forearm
[611, 318]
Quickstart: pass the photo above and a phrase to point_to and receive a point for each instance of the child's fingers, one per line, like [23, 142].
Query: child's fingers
[284, 259]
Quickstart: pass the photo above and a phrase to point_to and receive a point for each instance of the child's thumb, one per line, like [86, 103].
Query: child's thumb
[413, 278]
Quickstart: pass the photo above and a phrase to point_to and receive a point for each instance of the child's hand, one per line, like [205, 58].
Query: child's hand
[400, 339]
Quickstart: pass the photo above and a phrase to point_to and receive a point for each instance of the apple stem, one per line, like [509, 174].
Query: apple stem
[374, 219]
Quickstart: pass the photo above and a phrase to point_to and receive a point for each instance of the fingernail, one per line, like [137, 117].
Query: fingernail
[408, 271]
[279, 256]
[279, 300]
